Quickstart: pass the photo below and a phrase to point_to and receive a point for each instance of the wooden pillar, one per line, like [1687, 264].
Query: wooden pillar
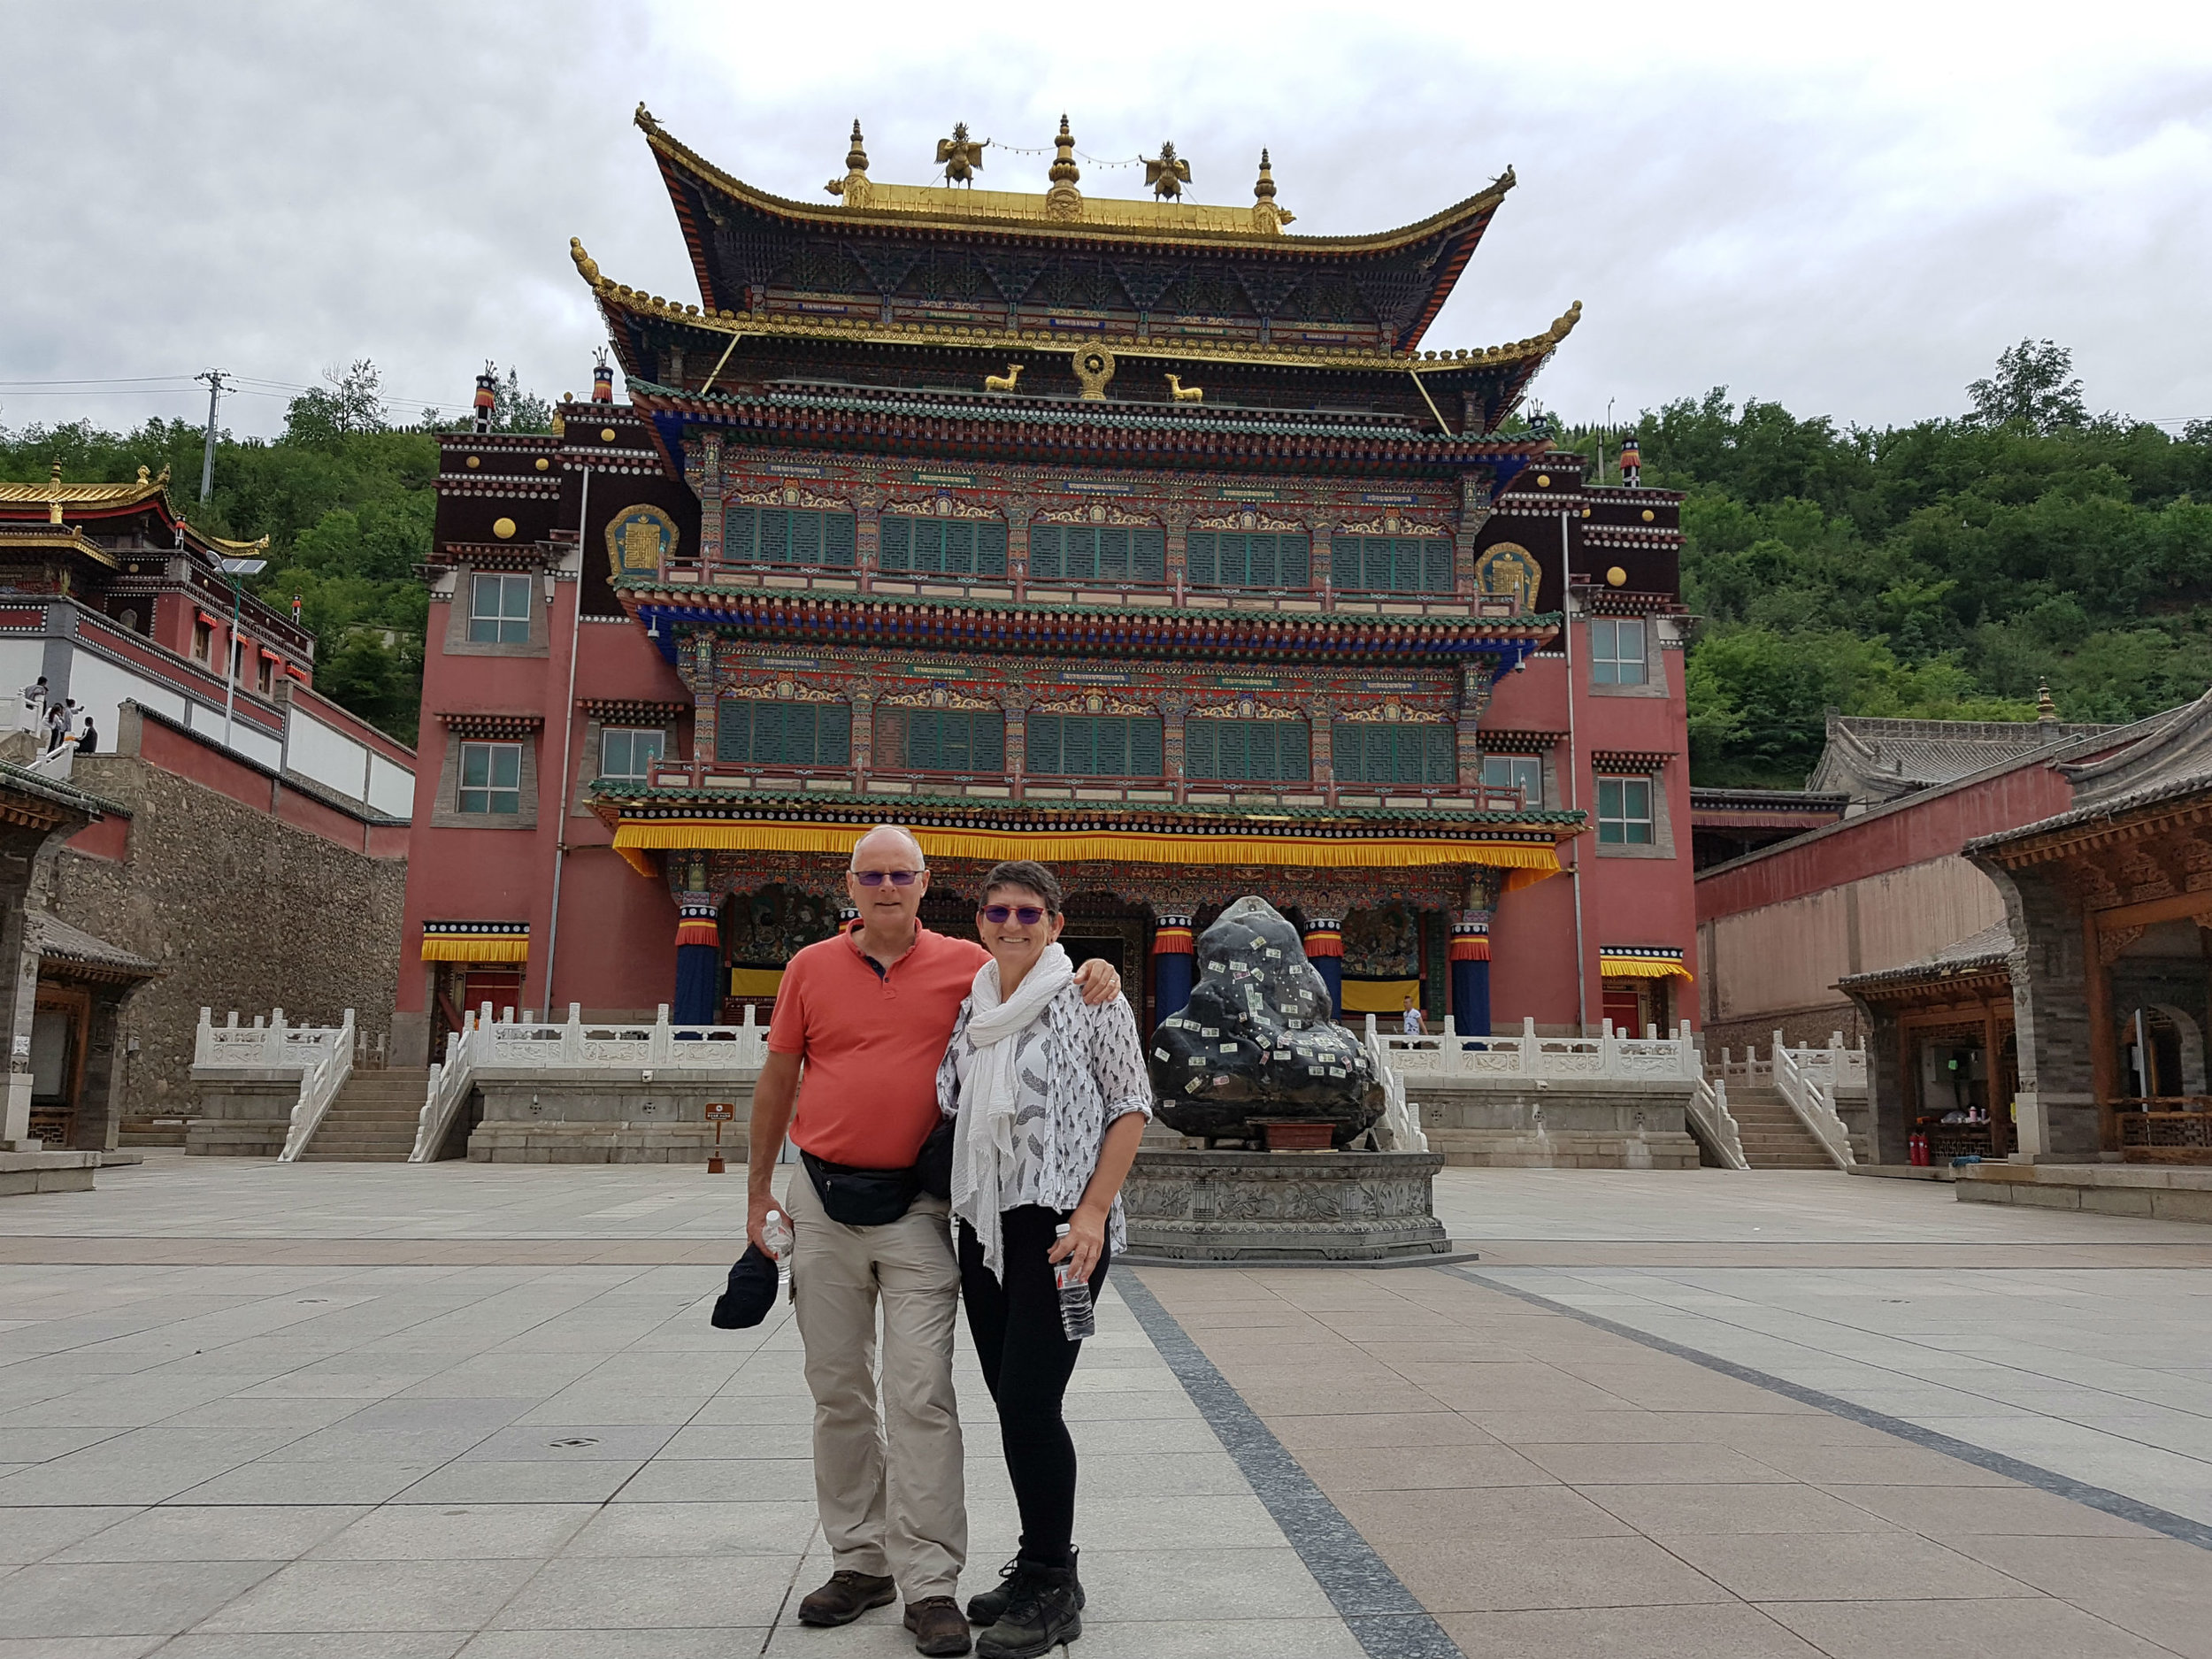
[2104, 1060]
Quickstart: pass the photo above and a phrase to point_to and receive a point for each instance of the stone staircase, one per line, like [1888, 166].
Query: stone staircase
[1773, 1139]
[373, 1120]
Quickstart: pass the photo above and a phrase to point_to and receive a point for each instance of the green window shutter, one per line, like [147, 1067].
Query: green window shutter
[1344, 752]
[990, 548]
[1442, 745]
[733, 736]
[775, 535]
[989, 742]
[1078, 745]
[1040, 744]
[835, 745]
[922, 747]
[737, 533]
[806, 538]
[1151, 556]
[1344, 561]
[1113, 555]
[1202, 560]
[897, 543]
[1297, 750]
[1202, 753]
[1436, 564]
[1044, 552]
[840, 532]
[1297, 561]
[1147, 747]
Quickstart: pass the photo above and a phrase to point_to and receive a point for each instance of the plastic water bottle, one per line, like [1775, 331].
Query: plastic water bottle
[776, 1233]
[1078, 1319]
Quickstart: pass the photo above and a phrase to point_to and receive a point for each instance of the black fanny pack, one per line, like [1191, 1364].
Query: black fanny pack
[875, 1198]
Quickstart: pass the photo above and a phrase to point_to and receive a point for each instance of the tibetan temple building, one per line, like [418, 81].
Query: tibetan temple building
[1142, 537]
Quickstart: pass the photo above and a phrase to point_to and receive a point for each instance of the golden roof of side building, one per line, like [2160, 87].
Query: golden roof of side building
[72, 494]
[1061, 212]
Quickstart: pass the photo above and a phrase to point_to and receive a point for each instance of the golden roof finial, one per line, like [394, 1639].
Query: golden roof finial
[2045, 707]
[644, 119]
[53, 496]
[854, 186]
[1266, 216]
[586, 266]
[1063, 199]
[1064, 169]
[143, 475]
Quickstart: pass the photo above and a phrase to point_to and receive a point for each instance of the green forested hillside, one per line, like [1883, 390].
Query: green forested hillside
[345, 499]
[1938, 570]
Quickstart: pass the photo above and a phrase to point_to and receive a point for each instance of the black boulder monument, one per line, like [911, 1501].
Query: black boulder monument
[1257, 1040]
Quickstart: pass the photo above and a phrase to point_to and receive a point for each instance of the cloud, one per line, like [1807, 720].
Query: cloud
[1854, 225]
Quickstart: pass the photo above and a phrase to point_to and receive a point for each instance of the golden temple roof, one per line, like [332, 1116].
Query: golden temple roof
[1061, 211]
[1165, 346]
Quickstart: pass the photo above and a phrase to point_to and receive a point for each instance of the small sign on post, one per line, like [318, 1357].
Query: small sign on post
[718, 1113]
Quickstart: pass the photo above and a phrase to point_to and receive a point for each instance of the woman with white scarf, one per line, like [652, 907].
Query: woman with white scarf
[1051, 1097]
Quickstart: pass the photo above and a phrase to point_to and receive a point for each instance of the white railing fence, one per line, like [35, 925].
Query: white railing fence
[1716, 1126]
[267, 1043]
[319, 1086]
[1610, 1057]
[1812, 1098]
[1837, 1066]
[1399, 1129]
[487, 1043]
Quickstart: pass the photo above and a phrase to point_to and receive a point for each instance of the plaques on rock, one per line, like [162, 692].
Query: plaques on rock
[1258, 1039]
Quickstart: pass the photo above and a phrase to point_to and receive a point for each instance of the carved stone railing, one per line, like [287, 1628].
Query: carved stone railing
[320, 1056]
[1812, 1098]
[574, 1045]
[1835, 1065]
[1713, 1125]
[1608, 1057]
[1399, 1130]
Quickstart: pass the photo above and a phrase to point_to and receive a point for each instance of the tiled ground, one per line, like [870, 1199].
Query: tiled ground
[352, 1410]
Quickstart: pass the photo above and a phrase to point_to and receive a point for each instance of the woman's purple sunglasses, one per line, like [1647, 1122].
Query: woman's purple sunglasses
[1028, 914]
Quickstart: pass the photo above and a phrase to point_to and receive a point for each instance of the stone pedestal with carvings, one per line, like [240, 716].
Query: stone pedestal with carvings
[1286, 1207]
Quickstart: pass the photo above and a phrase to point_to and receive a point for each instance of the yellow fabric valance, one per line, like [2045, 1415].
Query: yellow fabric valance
[755, 981]
[1525, 862]
[475, 948]
[1642, 968]
[1379, 996]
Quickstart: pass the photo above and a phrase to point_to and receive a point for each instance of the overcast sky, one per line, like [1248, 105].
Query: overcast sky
[1850, 209]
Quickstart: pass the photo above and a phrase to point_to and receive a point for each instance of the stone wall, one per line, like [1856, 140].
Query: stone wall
[240, 911]
[1512, 1121]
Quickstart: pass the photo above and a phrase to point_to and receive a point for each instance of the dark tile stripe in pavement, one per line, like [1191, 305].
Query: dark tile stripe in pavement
[34, 1251]
[1561, 1488]
[1388, 1622]
[2114, 1503]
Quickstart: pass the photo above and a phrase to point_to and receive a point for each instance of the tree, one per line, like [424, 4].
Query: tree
[2034, 387]
[514, 410]
[354, 404]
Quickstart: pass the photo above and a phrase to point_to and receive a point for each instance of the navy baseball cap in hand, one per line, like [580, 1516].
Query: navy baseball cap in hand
[751, 1292]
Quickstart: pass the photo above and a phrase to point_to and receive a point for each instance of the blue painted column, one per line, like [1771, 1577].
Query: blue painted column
[698, 966]
[1173, 960]
[1324, 948]
[1470, 973]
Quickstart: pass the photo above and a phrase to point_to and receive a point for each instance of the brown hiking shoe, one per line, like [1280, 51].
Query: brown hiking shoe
[939, 1625]
[846, 1597]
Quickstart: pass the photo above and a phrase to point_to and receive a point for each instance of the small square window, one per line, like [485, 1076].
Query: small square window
[499, 609]
[628, 754]
[202, 642]
[1616, 651]
[1623, 811]
[491, 778]
[1525, 773]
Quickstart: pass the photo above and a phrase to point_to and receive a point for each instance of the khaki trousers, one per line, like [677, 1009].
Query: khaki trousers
[891, 1490]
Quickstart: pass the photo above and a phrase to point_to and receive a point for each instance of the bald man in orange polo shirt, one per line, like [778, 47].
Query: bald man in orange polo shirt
[870, 1012]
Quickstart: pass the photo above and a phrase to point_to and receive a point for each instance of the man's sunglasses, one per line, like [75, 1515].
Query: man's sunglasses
[1028, 914]
[877, 878]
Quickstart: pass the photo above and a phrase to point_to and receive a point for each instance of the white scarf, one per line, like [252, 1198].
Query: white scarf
[983, 1147]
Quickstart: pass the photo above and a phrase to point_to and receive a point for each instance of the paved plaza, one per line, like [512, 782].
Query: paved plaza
[372, 1410]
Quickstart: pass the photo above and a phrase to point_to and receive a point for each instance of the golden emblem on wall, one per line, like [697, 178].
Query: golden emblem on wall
[1094, 367]
[1509, 569]
[640, 539]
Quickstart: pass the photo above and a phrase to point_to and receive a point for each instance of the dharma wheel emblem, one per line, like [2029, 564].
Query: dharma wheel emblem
[1094, 367]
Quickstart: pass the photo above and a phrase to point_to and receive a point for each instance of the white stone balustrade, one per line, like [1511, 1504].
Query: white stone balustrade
[1608, 1057]
[577, 1046]
[266, 1044]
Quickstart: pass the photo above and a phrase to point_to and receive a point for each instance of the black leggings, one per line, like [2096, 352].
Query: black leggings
[1027, 1360]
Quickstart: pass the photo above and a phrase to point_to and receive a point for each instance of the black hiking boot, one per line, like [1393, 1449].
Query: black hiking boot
[1043, 1612]
[989, 1607]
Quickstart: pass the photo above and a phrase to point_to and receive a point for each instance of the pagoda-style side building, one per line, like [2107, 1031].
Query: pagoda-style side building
[1141, 537]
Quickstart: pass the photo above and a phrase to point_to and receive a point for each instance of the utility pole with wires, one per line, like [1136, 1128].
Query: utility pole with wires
[216, 387]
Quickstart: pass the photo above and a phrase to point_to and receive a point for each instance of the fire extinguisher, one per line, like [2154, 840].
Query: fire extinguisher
[1917, 1153]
